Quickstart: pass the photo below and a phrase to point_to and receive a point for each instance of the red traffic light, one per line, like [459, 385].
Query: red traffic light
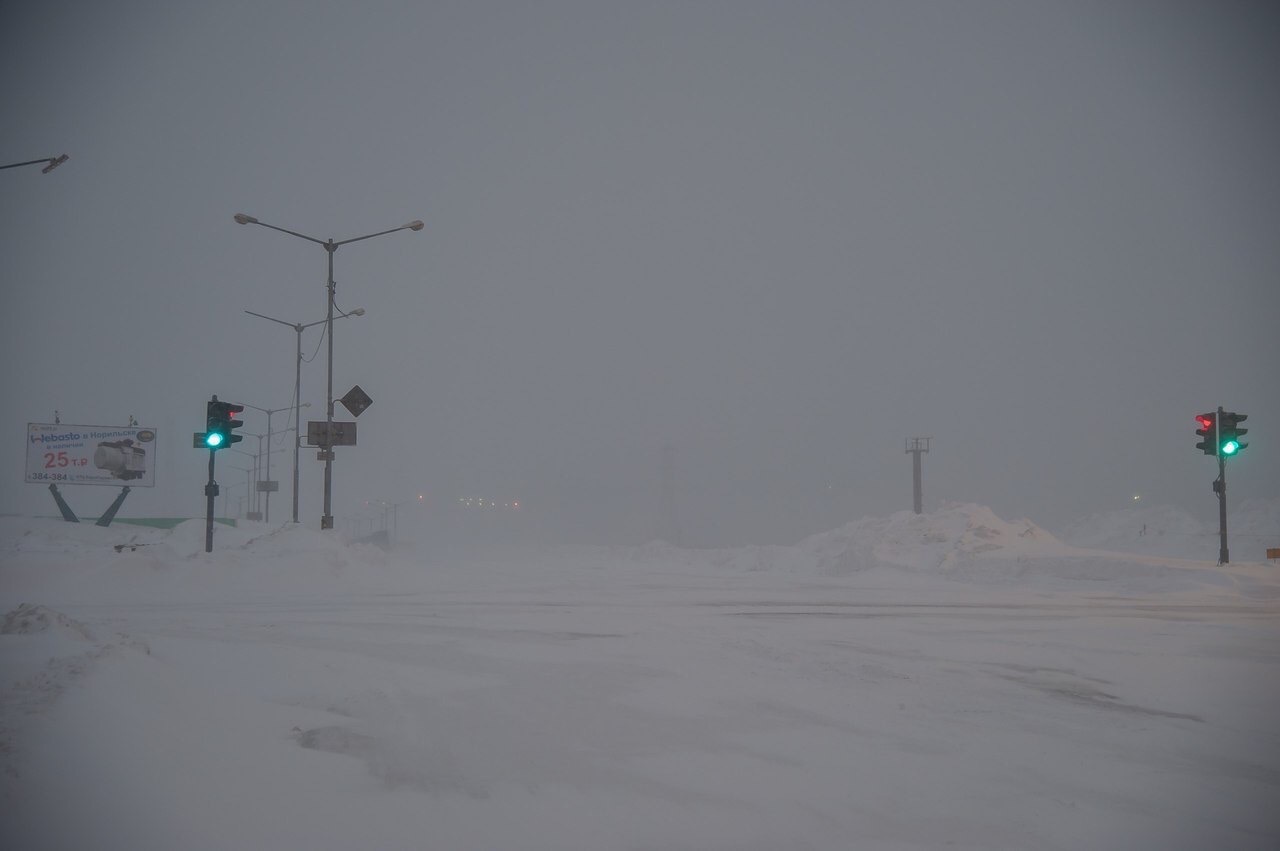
[1205, 420]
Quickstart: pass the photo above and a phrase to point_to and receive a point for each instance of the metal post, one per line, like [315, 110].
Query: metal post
[210, 492]
[110, 513]
[326, 521]
[297, 419]
[917, 446]
[266, 516]
[1224, 557]
[917, 501]
[67, 514]
[257, 474]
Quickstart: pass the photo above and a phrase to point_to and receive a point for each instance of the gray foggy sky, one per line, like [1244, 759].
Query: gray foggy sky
[777, 237]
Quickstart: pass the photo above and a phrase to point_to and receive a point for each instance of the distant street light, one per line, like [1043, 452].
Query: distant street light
[257, 462]
[53, 162]
[330, 246]
[248, 478]
[266, 517]
[297, 385]
[395, 514]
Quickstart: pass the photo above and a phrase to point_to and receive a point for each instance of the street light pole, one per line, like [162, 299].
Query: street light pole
[330, 246]
[249, 472]
[257, 471]
[298, 328]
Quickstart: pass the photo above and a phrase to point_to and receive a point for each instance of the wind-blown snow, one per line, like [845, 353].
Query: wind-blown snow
[913, 681]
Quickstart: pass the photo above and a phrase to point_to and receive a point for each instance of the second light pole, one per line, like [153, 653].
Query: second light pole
[299, 327]
[330, 246]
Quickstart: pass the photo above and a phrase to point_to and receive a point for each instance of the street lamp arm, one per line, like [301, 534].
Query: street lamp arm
[242, 219]
[415, 225]
[293, 325]
[270, 411]
[53, 162]
[301, 326]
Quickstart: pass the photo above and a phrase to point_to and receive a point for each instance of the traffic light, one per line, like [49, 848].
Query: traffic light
[216, 431]
[1229, 432]
[219, 424]
[1208, 433]
[233, 423]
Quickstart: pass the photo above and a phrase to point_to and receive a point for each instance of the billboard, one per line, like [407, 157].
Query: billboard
[58, 453]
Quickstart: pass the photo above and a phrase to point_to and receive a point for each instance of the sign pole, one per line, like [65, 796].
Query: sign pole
[210, 491]
[110, 513]
[67, 514]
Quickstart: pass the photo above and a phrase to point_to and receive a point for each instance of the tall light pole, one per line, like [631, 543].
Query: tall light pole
[330, 246]
[266, 517]
[299, 327]
[53, 162]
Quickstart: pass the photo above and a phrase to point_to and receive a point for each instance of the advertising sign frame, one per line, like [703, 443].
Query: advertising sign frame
[68, 454]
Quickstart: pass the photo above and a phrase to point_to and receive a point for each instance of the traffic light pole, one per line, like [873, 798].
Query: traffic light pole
[1220, 435]
[210, 493]
[1224, 557]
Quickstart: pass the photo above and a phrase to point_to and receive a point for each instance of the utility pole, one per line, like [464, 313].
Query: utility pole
[917, 446]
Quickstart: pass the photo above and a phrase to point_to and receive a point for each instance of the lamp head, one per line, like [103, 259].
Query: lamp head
[242, 219]
[416, 224]
[54, 163]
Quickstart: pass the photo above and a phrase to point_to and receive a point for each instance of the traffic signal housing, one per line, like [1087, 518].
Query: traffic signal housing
[1229, 432]
[1208, 433]
[220, 423]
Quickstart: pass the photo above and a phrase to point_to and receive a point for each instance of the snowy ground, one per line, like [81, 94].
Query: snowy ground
[950, 680]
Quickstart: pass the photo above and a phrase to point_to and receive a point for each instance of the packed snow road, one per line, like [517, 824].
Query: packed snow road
[606, 700]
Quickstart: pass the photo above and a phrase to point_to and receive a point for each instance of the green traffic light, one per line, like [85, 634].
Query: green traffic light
[213, 439]
[1231, 447]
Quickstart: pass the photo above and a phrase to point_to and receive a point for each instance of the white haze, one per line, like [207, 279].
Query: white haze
[778, 238]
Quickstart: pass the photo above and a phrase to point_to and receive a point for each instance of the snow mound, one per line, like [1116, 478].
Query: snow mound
[969, 543]
[30, 618]
[935, 541]
[67, 563]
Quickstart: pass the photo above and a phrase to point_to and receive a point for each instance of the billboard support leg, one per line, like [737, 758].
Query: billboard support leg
[67, 514]
[110, 513]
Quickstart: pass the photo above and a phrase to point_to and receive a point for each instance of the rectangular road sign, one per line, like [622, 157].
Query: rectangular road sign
[344, 434]
[268, 486]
